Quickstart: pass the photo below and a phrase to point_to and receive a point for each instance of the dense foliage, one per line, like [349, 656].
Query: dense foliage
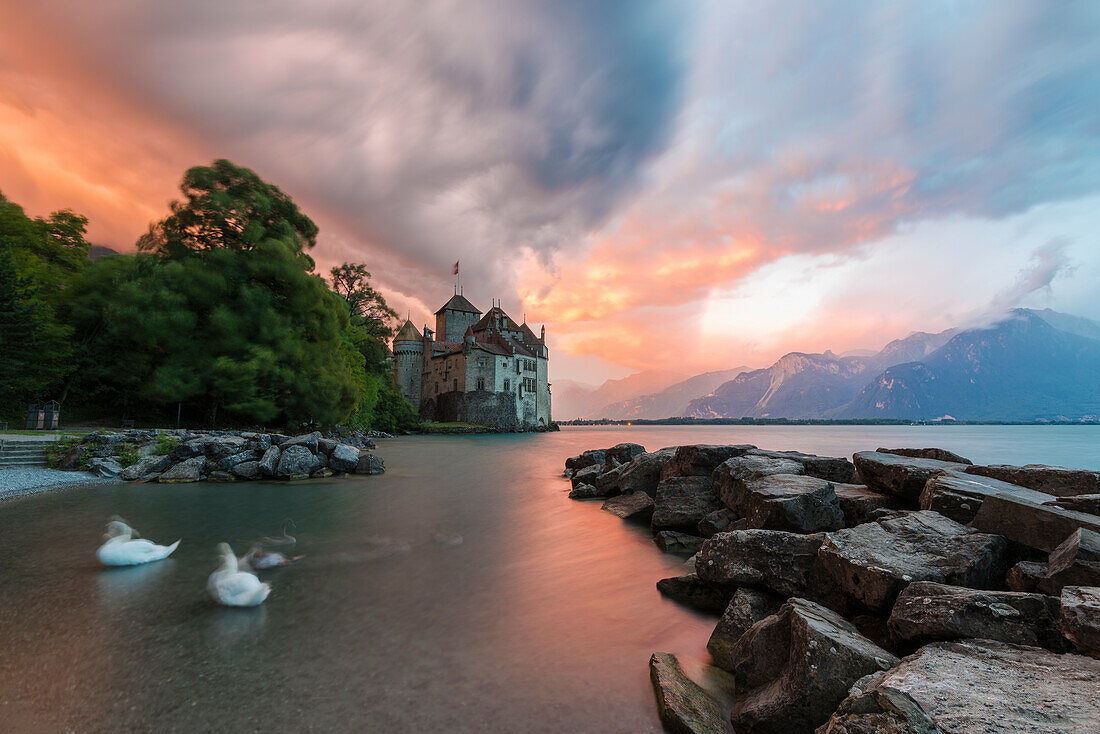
[219, 318]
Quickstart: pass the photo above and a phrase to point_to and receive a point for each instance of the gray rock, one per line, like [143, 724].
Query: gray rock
[246, 469]
[633, 506]
[873, 562]
[784, 563]
[1056, 480]
[746, 608]
[978, 686]
[871, 708]
[930, 612]
[104, 467]
[221, 447]
[700, 460]
[732, 476]
[188, 470]
[717, 522]
[1029, 523]
[937, 454]
[795, 667]
[343, 458]
[643, 472]
[1025, 576]
[296, 461]
[792, 502]
[326, 445]
[593, 457]
[369, 463]
[701, 595]
[1075, 562]
[671, 541]
[308, 440]
[1089, 503]
[681, 502]
[1080, 618]
[829, 468]
[232, 460]
[270, 461]
[145, 467]
[608, 480]
[587, 475]
[585, 492]
[860, 504]
[188, 449]
[959, 495]
[624, 452]
[899, 476]
[683, 706]
[220, 476]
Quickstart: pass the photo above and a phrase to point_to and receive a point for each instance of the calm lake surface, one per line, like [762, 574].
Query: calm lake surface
[542, 618]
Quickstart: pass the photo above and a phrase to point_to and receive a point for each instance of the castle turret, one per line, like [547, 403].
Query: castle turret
[454, 318]
[408, 357]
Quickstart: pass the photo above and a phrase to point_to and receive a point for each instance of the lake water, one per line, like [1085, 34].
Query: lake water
[542, 618]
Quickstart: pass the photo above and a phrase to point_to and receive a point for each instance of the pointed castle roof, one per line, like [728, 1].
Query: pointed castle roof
[408, 332]
[458, 302]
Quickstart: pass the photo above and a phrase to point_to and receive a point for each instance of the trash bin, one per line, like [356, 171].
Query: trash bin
[53, 415]
[36, 417]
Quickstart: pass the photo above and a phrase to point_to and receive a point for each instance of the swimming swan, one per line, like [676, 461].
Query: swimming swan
[231, 586]
[258, 559]
[121, 548]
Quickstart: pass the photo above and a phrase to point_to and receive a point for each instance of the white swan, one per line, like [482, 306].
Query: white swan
[231, 586]
[258, 559]
[121, 548]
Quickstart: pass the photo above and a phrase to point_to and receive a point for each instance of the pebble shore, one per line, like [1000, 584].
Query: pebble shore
[22, 482]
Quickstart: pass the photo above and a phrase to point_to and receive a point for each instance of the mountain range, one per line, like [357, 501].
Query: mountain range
[1027, 365]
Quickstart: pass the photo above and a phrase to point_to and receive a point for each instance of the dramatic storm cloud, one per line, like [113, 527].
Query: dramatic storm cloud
[684, 185]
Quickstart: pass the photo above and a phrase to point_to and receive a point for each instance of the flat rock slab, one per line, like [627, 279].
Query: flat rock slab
[700, 460]
[633, 506]
[1029, 523]
[746, 608]
[684, 707]
[930, 612]
[1089, 503]
[932, 453]
[873, 562]
[671, 541]
[188, 470]
[692, 591]
[830, 468]
[643, 472]
[793, 502]
[978, 686]
[624, 452]
[859, 502]
[1056, 480]
[731, 477]
[899, 476]
[794, 667]
[959, 495]
[1080, 621]
[681, 502]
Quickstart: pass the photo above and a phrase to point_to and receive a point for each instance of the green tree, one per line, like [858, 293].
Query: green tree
[367, 306]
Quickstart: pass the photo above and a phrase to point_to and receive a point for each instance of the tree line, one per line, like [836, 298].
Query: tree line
[219, 316]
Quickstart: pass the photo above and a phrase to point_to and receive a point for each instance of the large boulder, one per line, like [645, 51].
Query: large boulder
[370, 463]
[976, 686]
[900, 476]
[700, 460]
[1030, 523]
[1075, 562]
[624, 452]
[929, 612]
[681, 502]
[607, 482]
[860, 503]
[218, 448]
[188, 470]
[684, 707]
[937, 454]
[717, 522]
[188, 449]
[1080, 619]
[831, 468]
[228, 462]
[873, 562]
[308, 440]
[633, 506]
[643, 472]
[731, 477]
[798, 503]
[144, 468]
[701, 595]
[784, 563]
[794, 667]
[592, 457]
[746, 608]
[1056, 480]
[343, 458]
[270, 461]
[296, 461]
[586, 475]
[959, 495]
[106, 467]
[246, 470]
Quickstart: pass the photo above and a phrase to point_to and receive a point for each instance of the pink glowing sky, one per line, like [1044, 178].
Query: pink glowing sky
[665, 185]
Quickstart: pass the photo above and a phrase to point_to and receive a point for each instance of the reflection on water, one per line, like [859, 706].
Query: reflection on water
[459, 591]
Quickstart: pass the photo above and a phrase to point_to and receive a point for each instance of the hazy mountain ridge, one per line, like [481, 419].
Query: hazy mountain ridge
[572, 400]
[670, 402]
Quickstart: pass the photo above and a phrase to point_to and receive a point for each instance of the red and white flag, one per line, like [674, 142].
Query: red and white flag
[456, 267]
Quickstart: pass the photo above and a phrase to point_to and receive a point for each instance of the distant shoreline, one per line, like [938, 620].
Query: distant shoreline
[814, 422]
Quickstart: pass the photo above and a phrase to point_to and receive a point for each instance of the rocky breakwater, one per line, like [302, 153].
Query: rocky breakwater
[906, 590]
[225, 456]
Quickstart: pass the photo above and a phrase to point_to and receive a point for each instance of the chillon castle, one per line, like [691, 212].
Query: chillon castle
[473, 368]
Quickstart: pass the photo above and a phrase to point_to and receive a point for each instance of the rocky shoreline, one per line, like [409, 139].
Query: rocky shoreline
[180, 456]
[904, 591]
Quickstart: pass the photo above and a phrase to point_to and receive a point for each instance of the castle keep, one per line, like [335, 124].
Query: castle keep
[474, 368]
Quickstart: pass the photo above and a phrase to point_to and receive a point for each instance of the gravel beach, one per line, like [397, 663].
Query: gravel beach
[23, 482]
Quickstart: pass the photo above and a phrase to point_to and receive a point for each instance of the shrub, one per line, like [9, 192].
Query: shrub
[165, 444]
[128, 455]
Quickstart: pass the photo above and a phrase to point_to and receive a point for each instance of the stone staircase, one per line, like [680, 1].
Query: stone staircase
[24, 452]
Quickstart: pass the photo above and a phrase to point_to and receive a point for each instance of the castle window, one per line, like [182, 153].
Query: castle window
[481, 383]
[507, 386]
[456, 384]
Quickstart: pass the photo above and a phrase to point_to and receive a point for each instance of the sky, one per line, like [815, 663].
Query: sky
[683, 186]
